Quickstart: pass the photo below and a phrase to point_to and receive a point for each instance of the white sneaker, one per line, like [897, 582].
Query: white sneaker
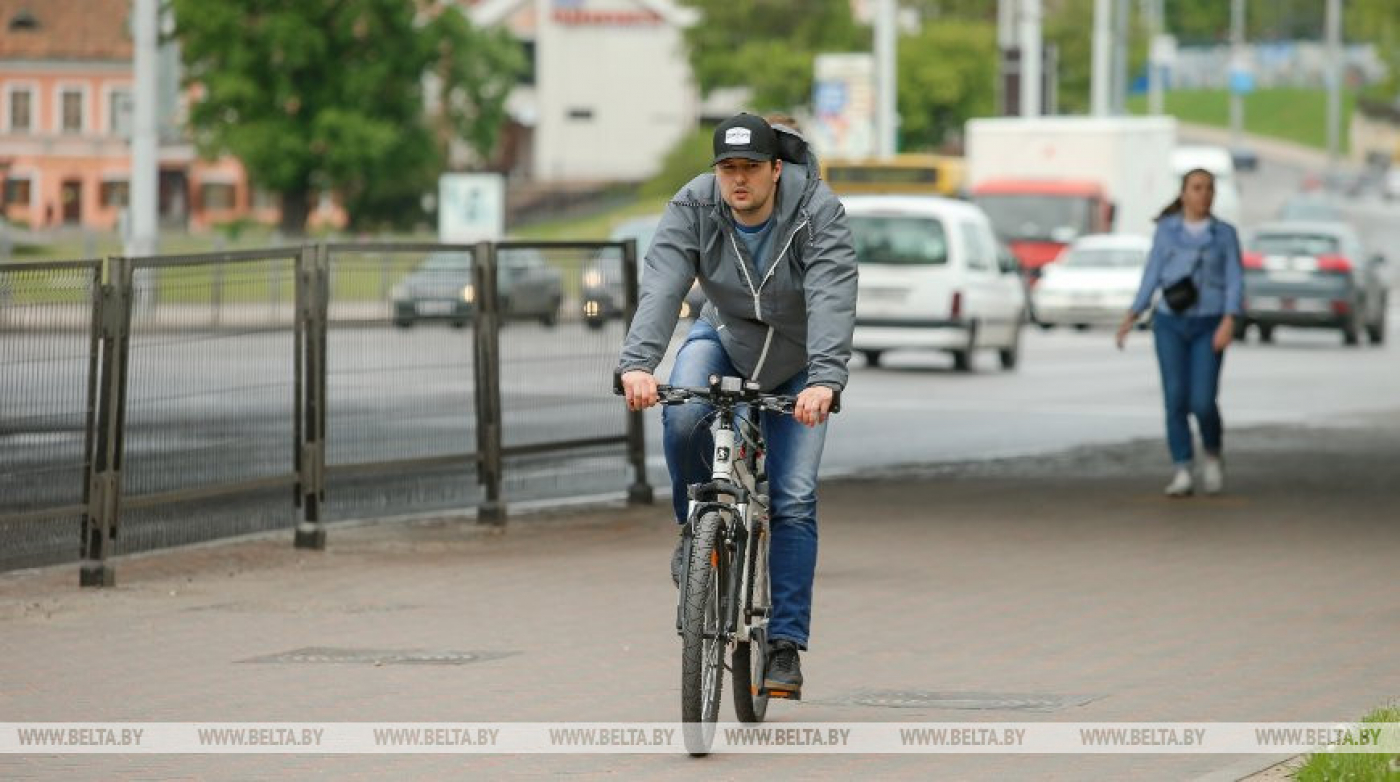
[1213, 475]
[1181, 485]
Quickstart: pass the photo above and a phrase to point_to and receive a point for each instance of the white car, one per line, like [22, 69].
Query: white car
[1221, 165]
[1390, 186]
[1092, 282]
[931, 279]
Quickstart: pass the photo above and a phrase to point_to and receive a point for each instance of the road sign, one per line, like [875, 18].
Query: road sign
[471, 207]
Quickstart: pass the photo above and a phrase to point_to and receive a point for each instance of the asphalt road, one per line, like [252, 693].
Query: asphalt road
[216, 406]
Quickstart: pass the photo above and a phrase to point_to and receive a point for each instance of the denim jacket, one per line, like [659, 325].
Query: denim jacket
[1219, 275]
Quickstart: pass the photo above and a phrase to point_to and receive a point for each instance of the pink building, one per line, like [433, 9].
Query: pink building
[66, 86]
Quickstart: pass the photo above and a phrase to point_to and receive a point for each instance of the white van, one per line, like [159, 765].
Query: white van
[931, 279]
[1217, 161]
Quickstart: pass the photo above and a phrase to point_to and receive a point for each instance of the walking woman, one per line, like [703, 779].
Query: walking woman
[1195, 263]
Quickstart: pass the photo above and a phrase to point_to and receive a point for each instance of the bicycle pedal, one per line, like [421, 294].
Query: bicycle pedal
[786, 695]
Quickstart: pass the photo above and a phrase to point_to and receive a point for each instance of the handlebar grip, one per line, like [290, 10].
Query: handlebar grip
[617, 383]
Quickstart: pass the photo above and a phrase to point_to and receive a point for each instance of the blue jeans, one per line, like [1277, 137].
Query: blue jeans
[794, 453]
[1190, 368]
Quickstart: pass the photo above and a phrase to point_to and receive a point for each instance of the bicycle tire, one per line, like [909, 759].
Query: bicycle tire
[750, 659]
[702, 659]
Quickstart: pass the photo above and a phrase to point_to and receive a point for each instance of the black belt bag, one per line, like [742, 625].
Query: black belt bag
[1182, 294]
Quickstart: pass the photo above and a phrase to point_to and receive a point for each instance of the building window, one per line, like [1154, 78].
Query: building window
[264, 200]
[119, 108]
[21, 101]
[527, 75]
[72, 103]
[216, 196]
[116, 194]
[17, 190]
[581, 115]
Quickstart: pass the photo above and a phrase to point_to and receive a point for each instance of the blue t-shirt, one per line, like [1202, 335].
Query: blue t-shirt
[756, 240]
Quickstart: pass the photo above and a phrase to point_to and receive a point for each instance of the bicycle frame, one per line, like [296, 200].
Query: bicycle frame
[733, 492]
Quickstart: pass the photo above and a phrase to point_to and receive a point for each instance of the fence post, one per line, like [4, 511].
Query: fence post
[312, 293]
[640, 492]
[487, 362]
[100, 521]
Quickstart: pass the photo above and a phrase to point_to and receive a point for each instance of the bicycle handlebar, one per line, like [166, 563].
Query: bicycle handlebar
[728, 392]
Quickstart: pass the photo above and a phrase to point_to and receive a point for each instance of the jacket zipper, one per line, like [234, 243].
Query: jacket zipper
[748, 280]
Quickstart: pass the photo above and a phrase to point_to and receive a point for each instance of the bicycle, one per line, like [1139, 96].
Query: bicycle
[725, 597]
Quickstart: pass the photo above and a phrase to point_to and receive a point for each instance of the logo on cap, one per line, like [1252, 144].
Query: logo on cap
[738, 136]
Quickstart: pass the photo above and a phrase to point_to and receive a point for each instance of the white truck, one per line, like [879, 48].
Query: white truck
[1045, 180]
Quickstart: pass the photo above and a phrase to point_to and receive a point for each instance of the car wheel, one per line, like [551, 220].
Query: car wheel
[1351, 328]
[550, 319]
[962, 360]
[403, 323]
[594, 323]
[1011, 355]
[1241, 329]
[459, 324]
[1266, 334]
[872, 357]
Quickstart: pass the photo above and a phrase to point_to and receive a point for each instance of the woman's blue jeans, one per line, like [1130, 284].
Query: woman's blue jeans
[794, 453]
[1190, 368]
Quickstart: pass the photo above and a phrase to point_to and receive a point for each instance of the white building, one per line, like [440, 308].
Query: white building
[611, 91]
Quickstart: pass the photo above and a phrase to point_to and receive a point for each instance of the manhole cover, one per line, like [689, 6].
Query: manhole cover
[378, 656]
[988, 701]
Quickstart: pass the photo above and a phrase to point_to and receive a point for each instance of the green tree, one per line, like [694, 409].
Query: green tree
[314, 95]
[768, 46]
[947, 75]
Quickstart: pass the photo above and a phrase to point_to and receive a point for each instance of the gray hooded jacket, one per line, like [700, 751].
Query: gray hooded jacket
[800, 315]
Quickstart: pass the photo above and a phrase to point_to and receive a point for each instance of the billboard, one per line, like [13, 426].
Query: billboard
[843, 105]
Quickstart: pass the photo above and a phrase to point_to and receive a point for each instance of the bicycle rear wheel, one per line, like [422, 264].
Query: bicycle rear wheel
[702, 636]
[751, 658]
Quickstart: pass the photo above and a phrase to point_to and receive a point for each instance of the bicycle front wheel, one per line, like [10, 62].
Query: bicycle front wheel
[702, 636]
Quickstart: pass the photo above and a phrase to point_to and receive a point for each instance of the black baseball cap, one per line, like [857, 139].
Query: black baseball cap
[747, 136]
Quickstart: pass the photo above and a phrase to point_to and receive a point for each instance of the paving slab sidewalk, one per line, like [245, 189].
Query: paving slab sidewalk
[1064, 577]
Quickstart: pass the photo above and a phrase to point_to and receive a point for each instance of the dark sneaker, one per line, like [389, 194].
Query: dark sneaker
[783, 678]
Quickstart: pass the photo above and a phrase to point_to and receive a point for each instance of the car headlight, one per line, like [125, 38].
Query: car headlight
[468, 293]
[593, 278]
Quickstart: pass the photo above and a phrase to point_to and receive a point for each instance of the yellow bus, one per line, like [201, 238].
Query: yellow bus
[913, 173]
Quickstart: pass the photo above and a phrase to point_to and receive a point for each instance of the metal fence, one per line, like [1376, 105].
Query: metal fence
[148, 402]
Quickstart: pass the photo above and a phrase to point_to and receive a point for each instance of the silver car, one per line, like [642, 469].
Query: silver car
[1313, 275]
[441, 289]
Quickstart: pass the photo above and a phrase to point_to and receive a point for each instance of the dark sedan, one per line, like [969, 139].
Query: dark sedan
[441, 289]
[603, 295]
[1313, 275]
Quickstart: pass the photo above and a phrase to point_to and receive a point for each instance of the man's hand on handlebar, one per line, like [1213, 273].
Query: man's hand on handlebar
[813, 405]
[639, 387]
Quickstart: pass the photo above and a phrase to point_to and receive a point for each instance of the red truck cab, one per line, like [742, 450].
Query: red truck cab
[1039, 217]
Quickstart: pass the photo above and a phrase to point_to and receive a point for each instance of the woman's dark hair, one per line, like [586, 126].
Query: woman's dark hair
[1175, 206]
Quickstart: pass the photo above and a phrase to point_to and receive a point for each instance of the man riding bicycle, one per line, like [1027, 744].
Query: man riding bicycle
[769, 244]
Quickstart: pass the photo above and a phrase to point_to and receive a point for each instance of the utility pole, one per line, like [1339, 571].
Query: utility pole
[142, 239]
[1155, 57]
[1030, 58]
[1334, 81]
[885, 86]
[1236, 73]
[1118, 98]
[1099, 77]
